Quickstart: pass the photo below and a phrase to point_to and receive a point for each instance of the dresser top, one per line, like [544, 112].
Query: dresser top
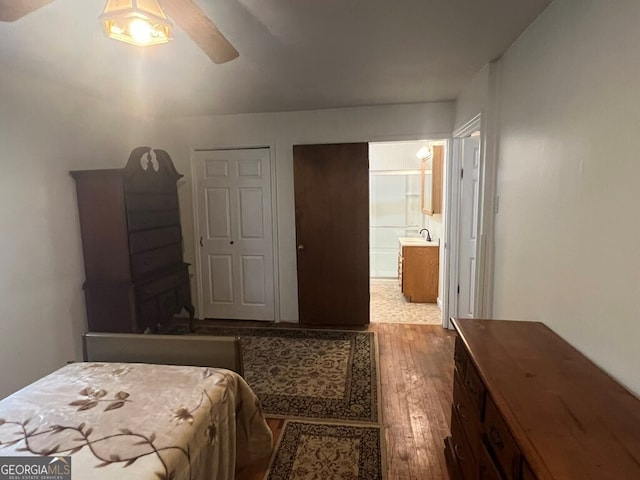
[570, 419]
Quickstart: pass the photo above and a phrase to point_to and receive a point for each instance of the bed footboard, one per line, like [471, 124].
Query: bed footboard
[204, 351]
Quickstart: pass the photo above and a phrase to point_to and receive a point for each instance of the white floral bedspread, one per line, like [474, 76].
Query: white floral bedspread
[137, 421]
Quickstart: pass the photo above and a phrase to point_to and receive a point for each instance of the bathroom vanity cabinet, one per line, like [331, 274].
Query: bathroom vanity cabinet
[418, 264]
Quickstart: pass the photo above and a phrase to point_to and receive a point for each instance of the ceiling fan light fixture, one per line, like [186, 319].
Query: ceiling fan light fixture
[137, 22]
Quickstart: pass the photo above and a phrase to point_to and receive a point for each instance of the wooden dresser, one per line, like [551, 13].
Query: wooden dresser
[136, 280]
[527, 405]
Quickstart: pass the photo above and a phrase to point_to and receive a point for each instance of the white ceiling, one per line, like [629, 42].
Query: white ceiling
[294, 54]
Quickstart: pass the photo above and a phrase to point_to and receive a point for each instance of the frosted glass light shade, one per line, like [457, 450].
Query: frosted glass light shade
[138, 22]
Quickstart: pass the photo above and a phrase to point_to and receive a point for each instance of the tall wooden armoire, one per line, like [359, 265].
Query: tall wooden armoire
[135, 277]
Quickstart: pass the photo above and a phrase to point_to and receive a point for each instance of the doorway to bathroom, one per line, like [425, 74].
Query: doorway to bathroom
[406, 230]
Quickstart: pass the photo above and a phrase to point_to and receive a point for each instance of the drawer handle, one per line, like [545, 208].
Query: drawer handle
[456, 448]
[495, 439]
[460, 410]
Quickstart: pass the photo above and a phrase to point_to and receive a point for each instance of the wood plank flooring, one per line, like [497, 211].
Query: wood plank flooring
[416, 363]
[416, 376]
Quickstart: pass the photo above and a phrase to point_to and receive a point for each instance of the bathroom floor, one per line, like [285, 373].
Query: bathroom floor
[388, 305]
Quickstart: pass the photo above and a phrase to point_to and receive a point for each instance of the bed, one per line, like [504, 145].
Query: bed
[138, 421]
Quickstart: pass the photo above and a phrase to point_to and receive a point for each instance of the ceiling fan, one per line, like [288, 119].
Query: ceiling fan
[185, 13]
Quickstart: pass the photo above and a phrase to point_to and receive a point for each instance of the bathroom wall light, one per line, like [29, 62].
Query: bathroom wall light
[424, 152]
[138, 22]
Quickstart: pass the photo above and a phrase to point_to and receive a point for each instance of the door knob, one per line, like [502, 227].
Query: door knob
[300, 247]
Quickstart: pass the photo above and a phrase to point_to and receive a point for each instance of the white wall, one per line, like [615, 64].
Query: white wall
[281, 131]
[45, 131]
[474, 98]
[567, 233]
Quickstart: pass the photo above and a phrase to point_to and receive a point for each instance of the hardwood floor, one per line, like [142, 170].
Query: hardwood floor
[416, 372]
[416, 376]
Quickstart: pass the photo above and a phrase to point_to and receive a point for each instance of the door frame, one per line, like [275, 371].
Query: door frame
[274, 221]
[444, 257]
[484, 267]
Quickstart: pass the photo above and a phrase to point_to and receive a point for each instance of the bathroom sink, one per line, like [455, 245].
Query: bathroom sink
[417, 241]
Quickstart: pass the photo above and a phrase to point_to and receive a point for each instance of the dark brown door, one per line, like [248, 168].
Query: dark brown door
[332, 233]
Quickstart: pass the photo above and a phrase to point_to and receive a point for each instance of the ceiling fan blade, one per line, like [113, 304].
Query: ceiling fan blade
[188, 16]
[12, 10]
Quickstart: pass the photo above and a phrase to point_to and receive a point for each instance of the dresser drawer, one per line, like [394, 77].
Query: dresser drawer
[146, 220]
[151, 201]
[150, 239]
[501, 443]
[460, 358]
[469, 376]
[151, 184]
[475, 388]
[150, 261]
[467, 415]
[488, 469]
[465, 460]
[170, 281]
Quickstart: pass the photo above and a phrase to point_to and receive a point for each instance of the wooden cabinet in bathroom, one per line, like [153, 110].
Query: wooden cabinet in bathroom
[418, 265]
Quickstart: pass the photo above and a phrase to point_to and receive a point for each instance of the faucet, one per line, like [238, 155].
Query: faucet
[428, 236]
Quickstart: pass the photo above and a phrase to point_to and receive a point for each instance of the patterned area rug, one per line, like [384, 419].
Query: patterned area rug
[312, 451]
[312, 374]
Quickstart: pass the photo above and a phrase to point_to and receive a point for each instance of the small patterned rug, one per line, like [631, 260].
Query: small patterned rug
[314, 451]
[310, 374]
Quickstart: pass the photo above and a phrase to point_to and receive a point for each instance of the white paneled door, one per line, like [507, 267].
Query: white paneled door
[468, 228]
[233, 204]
